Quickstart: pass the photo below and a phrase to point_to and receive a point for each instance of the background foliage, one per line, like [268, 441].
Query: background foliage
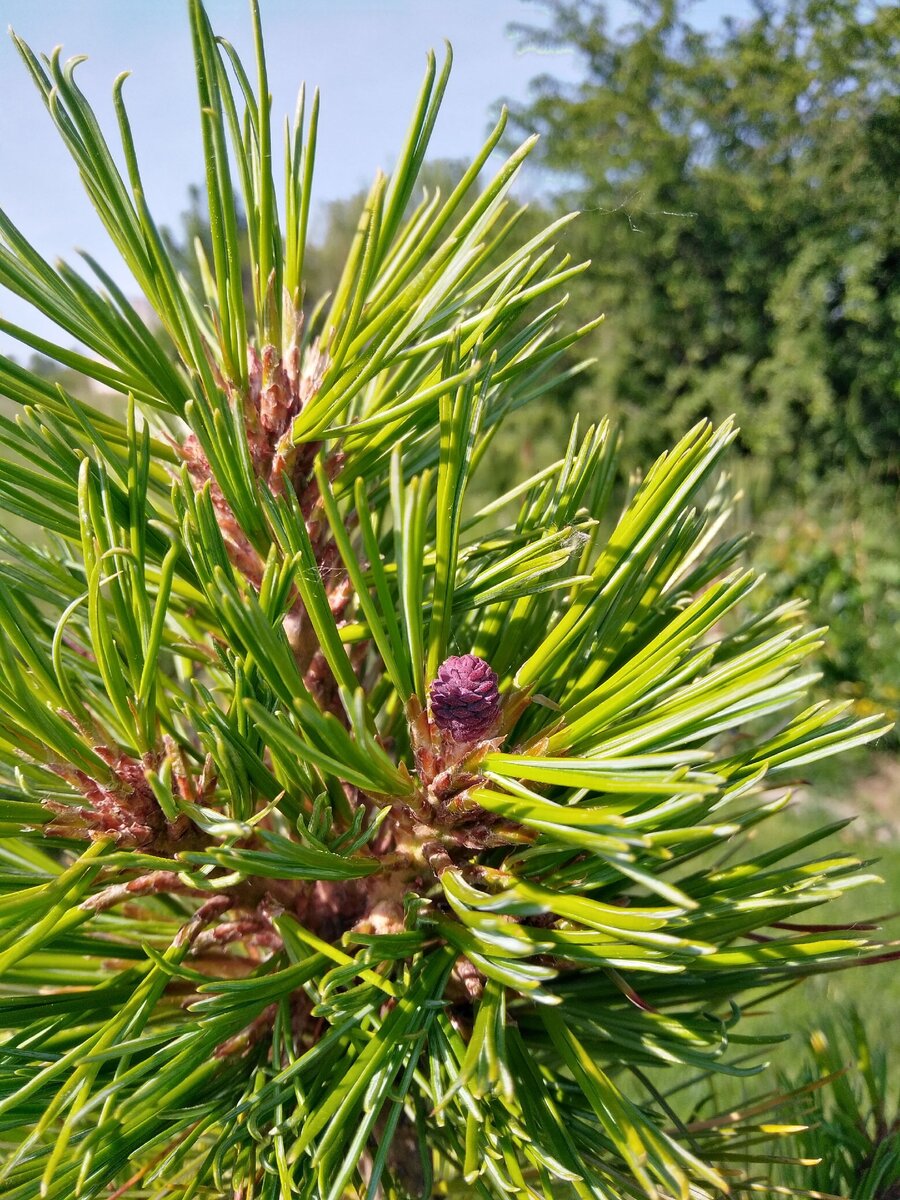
[738, 191]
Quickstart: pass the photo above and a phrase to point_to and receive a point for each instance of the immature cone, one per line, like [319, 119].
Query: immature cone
[465, 699]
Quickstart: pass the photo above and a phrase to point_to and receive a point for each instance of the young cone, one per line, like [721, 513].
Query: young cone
[295, 901]
[465, 699]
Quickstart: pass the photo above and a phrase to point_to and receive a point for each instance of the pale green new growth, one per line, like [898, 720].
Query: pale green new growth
[263, 931]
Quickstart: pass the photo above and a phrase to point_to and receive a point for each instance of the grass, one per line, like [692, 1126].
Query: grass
[836, 790]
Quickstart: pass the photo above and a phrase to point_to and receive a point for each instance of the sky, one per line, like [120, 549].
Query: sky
[367, 56]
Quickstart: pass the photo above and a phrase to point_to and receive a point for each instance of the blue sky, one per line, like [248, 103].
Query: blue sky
[367, 56]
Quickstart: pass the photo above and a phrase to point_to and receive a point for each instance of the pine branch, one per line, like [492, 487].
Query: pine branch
[354, 841]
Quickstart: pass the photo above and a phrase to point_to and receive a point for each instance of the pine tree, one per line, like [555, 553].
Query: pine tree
[356, 842]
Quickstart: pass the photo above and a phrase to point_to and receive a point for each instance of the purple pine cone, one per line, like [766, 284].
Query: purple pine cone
[465, 699]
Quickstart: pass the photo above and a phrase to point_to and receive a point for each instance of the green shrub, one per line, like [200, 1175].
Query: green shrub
[839, 550]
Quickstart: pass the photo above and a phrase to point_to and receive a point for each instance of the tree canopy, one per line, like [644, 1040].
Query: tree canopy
[738, 190]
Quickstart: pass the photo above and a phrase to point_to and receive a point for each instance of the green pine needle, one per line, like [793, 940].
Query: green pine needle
[269, 926]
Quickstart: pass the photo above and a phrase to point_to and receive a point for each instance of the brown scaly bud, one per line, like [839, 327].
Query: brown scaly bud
[123, 808]
[465, 698]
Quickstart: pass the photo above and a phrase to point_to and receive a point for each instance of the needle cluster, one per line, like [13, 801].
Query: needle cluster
[357, 840]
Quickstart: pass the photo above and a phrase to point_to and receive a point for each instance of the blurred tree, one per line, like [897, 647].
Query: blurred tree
[739, 191]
